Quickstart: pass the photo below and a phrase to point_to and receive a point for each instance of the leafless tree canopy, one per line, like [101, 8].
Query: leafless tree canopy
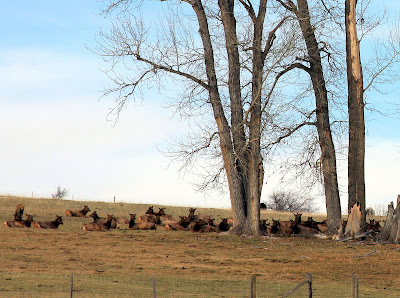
[251, 79]
[290, 201]
[60, 193]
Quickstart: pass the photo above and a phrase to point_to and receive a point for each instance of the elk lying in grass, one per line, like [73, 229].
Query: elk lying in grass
[374, 225]
[48, 224]
[142, 225]
[264, 225]
[194, 217]
[175, 226]
[197, 225]
[19, 224]
[224, 225]
[94, 226]
[148, 218]
[19, 211]
[81, 213]
[101, 220]
[184, 221]
[297, 217]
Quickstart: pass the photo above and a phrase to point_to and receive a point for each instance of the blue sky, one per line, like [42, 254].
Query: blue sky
[55, 131]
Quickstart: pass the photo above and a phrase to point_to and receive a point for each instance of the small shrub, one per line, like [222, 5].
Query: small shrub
[370, 211]
[60, 193]
[290, 202]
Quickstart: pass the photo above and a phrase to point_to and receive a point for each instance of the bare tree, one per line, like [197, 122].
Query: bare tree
[356, 180]
[312, 64]
[224, 73]
[60, 193]
[290, 201]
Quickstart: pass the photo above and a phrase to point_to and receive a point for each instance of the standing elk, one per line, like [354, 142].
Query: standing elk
[19, 211]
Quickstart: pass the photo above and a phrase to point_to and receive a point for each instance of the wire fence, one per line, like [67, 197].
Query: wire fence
[85, 286]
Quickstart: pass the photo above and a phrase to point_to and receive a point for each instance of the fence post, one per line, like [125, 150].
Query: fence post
[72, 285]
[354, 285]
[114, 199]
[309, 280]
[154, 288]
[253, 293]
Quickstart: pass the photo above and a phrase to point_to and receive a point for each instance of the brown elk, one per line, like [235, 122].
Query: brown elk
[264, 225]
[19, 211]
[81, 213]
[148, 218]
[373, 225]
[275, 227]
[141, 225]
[173, 225]
[209, 227]
[191, 216]
[224, 225]
[195, 226]
[101, 220]
[150, 210]
[184, 221]
[48, 224]
[297, 217]
[94, 226]
[19, 224]
[161, 211]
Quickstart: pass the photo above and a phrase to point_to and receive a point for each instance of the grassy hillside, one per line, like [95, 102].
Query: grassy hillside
[123, 263]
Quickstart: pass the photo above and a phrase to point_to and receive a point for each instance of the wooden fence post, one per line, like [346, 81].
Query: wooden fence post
[253, 293]
[354, 285]
[309, 280]
[72, 285]
[154, 288]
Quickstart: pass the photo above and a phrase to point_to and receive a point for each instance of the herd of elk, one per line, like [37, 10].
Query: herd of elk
[193, 222]
[27, 223]
[18, 222]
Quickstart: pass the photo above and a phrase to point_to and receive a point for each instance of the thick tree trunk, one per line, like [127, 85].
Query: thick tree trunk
[328, 154]
[356, 154]
[242, 158]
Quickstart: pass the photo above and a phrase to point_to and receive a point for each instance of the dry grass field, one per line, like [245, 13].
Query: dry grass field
[123, 263]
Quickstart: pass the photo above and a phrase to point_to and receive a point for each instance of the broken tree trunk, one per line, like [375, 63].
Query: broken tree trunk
[354, 223]
[391, 230]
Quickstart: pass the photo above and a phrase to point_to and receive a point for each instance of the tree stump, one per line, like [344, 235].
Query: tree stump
[391, 230]
[354, 226]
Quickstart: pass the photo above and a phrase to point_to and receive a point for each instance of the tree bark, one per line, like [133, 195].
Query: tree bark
[328, 154]
[242, 157]
[356, 154]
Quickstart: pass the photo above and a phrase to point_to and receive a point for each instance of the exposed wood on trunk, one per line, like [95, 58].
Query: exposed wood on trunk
[391, 230]
[356, 154]
[353, 227]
